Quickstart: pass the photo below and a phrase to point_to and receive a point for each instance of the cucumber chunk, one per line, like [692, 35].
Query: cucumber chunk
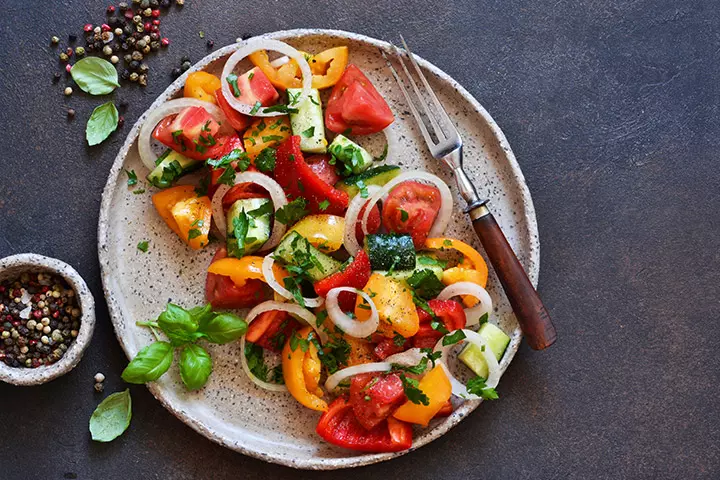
[421, 264]
[495, 338]
[374, 176]
[170, 166]
[390, 251]
[351, 154]
[294, 249]
[258, 225]
[308, 122]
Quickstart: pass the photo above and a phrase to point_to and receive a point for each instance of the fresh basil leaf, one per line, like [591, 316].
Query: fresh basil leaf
[178, 324]
[202, 314]
[112, 417]
[223, 328]
[149, 364]
[265, 161]
[95, 76]
[195, 366]
[477, 386]
[103, 121]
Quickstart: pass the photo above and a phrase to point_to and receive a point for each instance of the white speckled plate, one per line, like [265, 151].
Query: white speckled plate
[230, 409]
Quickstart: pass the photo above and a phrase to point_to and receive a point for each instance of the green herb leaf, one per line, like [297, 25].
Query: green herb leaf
[132, 178]
[431, 261]
[308, 133]
[404, 215]
[202, 189]
[227, 177]
[232, 80]
[265, 161]
[439, 327]
[223, 328]
[264, 209]
[202, 314]
[143, 246]
[103, 121]
[112, 417]
[138, 191]
[281, 109]
[194, 233]
[399, 340]
[255, 108]
[195, 366]
[149, 364]
[477, 386]
[425, 283]
[95, 76]
[413, 393]
[255, 361]
[178, 324]
[324, 205]
[272, 138]
[277, 375]
[334, 352]
[453, 338]
[416, 370]
[431, 355]
[241, 225]
[236, 155]
[292, 212]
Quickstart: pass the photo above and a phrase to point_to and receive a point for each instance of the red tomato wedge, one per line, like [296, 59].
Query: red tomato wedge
[221, 292]
[411, 207]
[451, 314]
[191, 133]
[355, 275]
[355, 106]
[373, 223]
[237, 120]
[320, 164]
[299, 180]
[255, 87]
[339, 426]
[374, 397]
[388, 346]
[271, 329]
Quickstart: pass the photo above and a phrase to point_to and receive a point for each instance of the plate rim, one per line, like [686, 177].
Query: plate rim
[115, 311]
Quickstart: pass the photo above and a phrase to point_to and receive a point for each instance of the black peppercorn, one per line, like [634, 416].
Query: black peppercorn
[125, 74]
[123, 6]
[165, 3]
[128, 29]
[154, 3]
[124, 47]
[70, 115]
[56, 78]
[134, 65]
[98, 45]
[72, 37]
[131, 41]
[123, 105]
[143, 68]
[186, 66]
[155, 46]
[137, 56]
[176, 72]
[154, 36]
[210, 44]
[143, 82]
[144, 4]
[184, 59]
[127, 58]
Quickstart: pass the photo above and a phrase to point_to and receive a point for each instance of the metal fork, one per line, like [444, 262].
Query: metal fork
[444, 143]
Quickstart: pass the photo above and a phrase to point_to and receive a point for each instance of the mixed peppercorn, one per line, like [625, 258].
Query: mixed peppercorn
[39, 319]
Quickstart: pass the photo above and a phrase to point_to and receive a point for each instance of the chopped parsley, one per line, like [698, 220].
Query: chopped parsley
[280, 108]
[412, 392]
[276, 124]
[272, 138]
[439, 327]
[176, 137]
[297, 341]
[483, 318]
[399, 340]
[202, 189]
[255, 361]
[324, 205]
[453, 338]
[292, 212]
[431, 355]
[132, 178]
[143, 246]
[425, 283]
[255, 108]
[477, 386]
[265, 209]
[431, 261]
[404, 215]
[227, 177]
[241, 224]
[194, 233]
[308, 133]
[416, 370]
[138, 191]
[265, 161]
[334, 353]
[294, 97]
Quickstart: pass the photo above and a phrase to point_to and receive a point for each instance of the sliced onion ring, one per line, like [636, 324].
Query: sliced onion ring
[446, 207]
[171, 107]
[253, 45]
[267, 269]
[277, 196]
[351, 217]
[291, 308]
[458, 389]
[473, 314]
[408, 358]
[354, 328]
[334, 380]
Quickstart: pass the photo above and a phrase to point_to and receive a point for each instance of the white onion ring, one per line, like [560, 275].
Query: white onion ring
[267, 271]
[253, 45]
[334, 380]
[351, 216]
[280, 61]
[171, 107]
[446, 207]
[408, 358]
[266, 307]
[277, 195]
[458, 389]
[352, 327]
[473, 314]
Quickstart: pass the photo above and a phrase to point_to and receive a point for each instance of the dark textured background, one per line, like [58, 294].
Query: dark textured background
[611, 108]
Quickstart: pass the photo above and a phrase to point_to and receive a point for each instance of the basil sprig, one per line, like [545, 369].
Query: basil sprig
[103, 121]
[184, 328]
[112, 417]
[95, 76]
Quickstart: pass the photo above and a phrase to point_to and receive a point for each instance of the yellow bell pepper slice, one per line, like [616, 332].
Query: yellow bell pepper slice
[472, 268]
[395, 306]
[164, 200]
[281, 79]
[295, 373]
[240, 270]
[436, 385]
[459, 274]
[327, 67]
[183, 211]
[202, 85]
[472, 255]
[266, 132]
[324, 232]
[361, 351]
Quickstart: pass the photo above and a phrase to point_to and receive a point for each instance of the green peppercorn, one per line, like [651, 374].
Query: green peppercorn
[134, 77]
[137, 56]
[79, 51]
[64, 57]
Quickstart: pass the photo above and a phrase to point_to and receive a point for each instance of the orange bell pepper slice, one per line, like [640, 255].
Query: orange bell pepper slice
[459, 274]
[240, 270]
[266, 132]
[281, 79]
[361, 350]
[436, 385]
[183, 211]
[202, 85]
[472, 268]
[296, 373]
[327, 67]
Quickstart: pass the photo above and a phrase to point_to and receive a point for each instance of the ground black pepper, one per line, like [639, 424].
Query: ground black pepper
[39, 320]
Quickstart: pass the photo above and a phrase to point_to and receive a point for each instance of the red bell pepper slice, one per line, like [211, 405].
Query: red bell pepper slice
[355, 275]
[451, 314]
[375, 397]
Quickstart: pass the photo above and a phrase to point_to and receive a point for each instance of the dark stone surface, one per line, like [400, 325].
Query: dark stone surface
[612, 110]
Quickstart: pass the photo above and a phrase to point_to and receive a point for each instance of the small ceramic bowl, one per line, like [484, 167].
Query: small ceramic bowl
[14, 266]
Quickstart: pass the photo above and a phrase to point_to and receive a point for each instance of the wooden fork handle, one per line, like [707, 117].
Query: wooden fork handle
[524, 299]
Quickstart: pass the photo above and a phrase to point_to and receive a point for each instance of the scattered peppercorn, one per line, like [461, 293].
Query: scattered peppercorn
[56, 77]
[110, 10]
[54, 40]
[165, 42]
[99, 387]
[176, 72]
[88, 27]
[144, 3]
[64, 57]
[123, 6]
[180, 2]
[68, 91]
[121, 121]
[79, 51]
[70, 113]
[72, 37]
[134, 77]
[143, 79]
[186, 66]
[107, 50]
[114, 59]
[210, 44]
[68, 67]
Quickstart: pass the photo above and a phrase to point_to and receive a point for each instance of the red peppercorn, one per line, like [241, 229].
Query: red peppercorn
[111, 10]
[88, 27]
[121, 121]
[56, 314]
[147, 26]
[68, 67]
[32, 342]
[16, 323]
[156, 13]
[69, 52]
[129, 14]
[8, 318]
[45, 288]
[2, 288]
[156, 23]
[17, 293]
[165, 42]
[105, 27]
[154, 29]
[37, 313]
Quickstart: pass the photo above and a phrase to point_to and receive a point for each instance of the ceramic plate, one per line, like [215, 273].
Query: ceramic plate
[231, 410]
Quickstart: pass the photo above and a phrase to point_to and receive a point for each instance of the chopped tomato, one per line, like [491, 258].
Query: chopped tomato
[355, 106]
[355, 275]
[254, 86]
[339, 426]
[195, 134]
[299, 180]
[451, 314]
[271, 329]
[374, 397]
[388, 346]
[320, 164]
[411, 208]
[222, 293]
[237, 120]
[242, 191]
[373, 223]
